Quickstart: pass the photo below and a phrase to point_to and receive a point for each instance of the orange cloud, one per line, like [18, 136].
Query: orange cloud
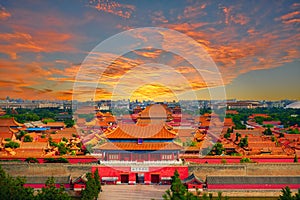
[153, 91]
[193, 11]
[158, 17]
[149, 53]
[42, 41]
[113, 7]
[233, 17]
[36, 80]
[185, 70]
[4, 14]
[292, 21]
[292, 17]
[238, 42]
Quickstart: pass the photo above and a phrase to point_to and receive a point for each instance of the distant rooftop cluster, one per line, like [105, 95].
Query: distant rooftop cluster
[147, 131]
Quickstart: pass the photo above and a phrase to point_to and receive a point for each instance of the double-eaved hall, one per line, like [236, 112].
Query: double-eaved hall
[141, 152]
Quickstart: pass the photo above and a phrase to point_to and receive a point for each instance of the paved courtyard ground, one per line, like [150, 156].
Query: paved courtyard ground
[148, 192]
[130, 192]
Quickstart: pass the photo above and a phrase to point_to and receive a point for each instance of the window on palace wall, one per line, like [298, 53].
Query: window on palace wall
[167, 157]
[140, 141]
[113, 156]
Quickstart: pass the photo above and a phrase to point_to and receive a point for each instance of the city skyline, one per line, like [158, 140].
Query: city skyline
[254, 45]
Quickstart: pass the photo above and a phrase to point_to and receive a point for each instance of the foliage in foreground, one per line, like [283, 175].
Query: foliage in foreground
[13, 189]
[93, 186]
[178, 191]
[287, 194]
[52, 192]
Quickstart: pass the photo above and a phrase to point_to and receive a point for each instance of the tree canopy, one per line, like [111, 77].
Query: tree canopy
[287, 194]
[12, 188]
[93, 186]
[51, 192]
[178, 191]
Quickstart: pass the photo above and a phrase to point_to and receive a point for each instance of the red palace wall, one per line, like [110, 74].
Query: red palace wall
[250, 186]
[71, 159]
[163, 173]
[191, 186]
[208, 159]
[218, 160]
[41, 185]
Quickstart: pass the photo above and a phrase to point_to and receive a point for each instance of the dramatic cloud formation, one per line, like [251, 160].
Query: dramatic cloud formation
[42, 46]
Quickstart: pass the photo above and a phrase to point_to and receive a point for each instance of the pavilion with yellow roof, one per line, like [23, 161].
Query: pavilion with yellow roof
[131, 142]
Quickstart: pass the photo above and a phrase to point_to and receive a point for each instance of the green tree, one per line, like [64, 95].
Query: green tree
[91, 190]
[64, 139]
[62, 148]
[27, 138]
[227, 134]
[20, 134]
[177, 190]
[259, 120]
[286, 194]
[31, 160]
[45, 121]
[97, 180]
[218, 148]
[28, 116]
[237, 136]
[281, 135]
[219, 196]
[51, 143]
[13, 188]
[69, 123]
[51, 192]
[12, 145]
[245, 160]
[56, 160]
[297, 195]
[295, 158]
[244, 142]
[205, 197]
[267, 131]
[238, 119]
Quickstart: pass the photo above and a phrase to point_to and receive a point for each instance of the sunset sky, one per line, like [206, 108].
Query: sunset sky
[255, 46]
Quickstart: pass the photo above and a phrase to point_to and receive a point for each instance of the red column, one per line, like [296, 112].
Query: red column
[119, 156]
[147, 178]
[172, 156]
[130, 156]
[132, 179]
[149, 158]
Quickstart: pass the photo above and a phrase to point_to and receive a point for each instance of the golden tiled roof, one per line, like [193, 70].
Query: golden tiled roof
[33, 145]
[9, 122]
[131, 131]
[56, 124]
